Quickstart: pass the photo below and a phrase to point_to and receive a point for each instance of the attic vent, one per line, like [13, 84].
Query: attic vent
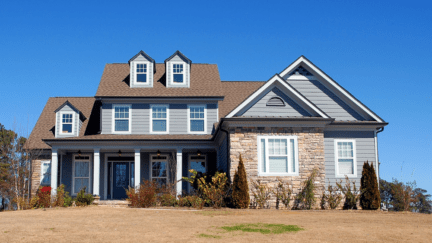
[301, 71]
[275, 101]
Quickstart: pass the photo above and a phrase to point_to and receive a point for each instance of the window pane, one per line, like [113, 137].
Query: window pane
[159, 169]
[46, 173]
[132, 174]
[159, 126]
[271, 146]
[81, 183]
[122, 125]
[81, 169]
[120, 175]
[178, 78]
[263, 155]
[278, 164]
[67, 128]
[197, 125]
[198, 166]
[346, 166]
[141, 77]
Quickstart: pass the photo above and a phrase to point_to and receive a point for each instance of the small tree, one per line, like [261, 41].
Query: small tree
[370, 196]
[306, 198]
[283, 193]
[352, 195]
[240, 193]
[261, 194]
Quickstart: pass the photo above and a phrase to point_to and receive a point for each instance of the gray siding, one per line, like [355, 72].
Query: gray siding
[77, 122]
[168, 71]
[365, 151]
[141, 118]
[222, 162]
[145, 166]
[260, 108]
[325, 99]
[66, 175]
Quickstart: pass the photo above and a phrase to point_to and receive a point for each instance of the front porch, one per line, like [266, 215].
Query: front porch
[106, 172]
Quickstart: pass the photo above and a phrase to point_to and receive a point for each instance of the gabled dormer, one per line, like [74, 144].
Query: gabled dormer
[177, 72]
[142, 68]
[68, 121]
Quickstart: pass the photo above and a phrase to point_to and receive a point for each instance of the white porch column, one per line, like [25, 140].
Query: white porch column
[54, 171]
[96, 171]
[179, 171]
[137, 176]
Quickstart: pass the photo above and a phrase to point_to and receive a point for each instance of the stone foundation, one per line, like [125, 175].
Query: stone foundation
[243, 140]
[36, 176]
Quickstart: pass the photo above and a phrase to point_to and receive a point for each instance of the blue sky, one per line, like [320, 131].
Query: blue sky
[378, 50]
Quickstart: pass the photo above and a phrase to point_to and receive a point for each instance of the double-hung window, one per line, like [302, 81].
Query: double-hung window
[159, 169]
[278, 155]
[178, 73]
[81, 174]
[122, 118]
[197, 118]
[159, 119]
[67, 123]
[141, 73]
[45, 172]
[345, 157]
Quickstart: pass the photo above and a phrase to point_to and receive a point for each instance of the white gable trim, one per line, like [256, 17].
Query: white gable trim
[303, 60]
[274, 79]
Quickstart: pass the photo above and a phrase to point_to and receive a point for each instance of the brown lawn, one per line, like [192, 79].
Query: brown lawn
[107, 224]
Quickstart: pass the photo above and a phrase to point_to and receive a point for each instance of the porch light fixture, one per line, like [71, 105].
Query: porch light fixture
[79, 153]
[199, 153]
[158, 153]
[119, 153]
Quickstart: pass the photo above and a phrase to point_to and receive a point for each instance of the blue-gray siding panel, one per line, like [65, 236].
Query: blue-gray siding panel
[222, 164]
[145, 163]
[260, 108]
[140, 118]
[178, 118]
[365, 150]
[106, 117]
[325, 99]
[66, 178]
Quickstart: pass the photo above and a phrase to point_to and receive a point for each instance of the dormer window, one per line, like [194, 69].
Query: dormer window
[178, 76]
[67, 123]
[141, 73]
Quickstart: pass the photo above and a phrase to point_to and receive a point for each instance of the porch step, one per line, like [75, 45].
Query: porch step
[113, 203]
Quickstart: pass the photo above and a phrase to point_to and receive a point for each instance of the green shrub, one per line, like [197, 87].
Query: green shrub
[370, 196]
[167, 200]
[67, 200]
[60, 197]
[333, 198]
[282, 193]
[351, 195]
[240, 190]
[83, 198]
[191, 201]
[144, 197]
[212, 191]
[261, 194]
[306, 197]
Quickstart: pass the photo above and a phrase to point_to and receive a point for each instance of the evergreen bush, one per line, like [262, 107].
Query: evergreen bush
[83, 198]
[240, 192]
[370, 196]
[306, 198]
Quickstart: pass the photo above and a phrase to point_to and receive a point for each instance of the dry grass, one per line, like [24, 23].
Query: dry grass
[106, 224]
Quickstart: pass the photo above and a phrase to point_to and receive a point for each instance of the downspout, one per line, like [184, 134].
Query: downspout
[376, 152]
[228, 151]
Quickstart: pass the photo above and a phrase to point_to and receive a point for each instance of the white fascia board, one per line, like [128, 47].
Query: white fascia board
[274, 79]
[330, 81]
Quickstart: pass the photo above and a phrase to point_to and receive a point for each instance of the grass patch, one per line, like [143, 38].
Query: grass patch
[263, 228]
[209, 236]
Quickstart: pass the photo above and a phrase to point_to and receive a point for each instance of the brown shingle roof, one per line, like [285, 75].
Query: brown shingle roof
[204, 82]
[235, 93]
[44, 128]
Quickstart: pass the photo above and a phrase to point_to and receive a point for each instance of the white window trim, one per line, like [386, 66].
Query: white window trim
[260, 172]
[159, 160]
[172, 74]
[151, 118]
[42, 173]
[113, 119]
[135, 73]
[73, 173]
[60, 133]
[336, 156]
[189, 119]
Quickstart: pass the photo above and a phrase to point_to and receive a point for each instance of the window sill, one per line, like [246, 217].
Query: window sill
[277, 174]
[343, 176]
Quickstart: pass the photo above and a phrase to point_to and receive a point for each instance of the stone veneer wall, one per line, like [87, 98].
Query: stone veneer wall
[36, 176]
[243, 140]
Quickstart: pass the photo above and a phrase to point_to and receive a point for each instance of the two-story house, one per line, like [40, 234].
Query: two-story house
[155, 121]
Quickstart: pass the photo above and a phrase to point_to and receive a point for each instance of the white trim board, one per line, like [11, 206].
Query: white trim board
[276, 79]
[304, 61]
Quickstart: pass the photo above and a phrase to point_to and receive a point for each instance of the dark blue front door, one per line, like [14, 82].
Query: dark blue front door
[120, 180]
